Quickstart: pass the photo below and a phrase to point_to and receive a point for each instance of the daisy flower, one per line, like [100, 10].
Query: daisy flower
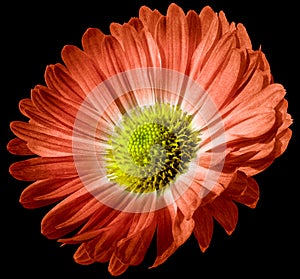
[156, 129]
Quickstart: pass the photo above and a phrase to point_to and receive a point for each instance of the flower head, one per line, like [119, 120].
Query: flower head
[156, 128]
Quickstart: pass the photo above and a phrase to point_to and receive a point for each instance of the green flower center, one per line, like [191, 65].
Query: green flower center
[151, 147]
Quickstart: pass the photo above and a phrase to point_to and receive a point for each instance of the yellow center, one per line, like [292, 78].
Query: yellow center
[151, 147]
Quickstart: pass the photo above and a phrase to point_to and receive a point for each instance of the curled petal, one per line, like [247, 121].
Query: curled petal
[82, 257]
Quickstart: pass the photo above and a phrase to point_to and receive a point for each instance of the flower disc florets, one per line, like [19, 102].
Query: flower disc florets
[151, 147]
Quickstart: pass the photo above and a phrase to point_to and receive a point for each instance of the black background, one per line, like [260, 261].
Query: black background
[266, 239]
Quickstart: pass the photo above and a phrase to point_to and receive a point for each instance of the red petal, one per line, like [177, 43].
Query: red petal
[69, 214]
[210, 26]
[250, 194]
[101, 248]
[82, 68]
[132, 249]
[114, 59]
[150, 48]
[129, 38]
[243, 38]
[172, 39]
[58, 78]
[43, 141]
[56, 110]
[44, 192]
[116, 267]
[91, 42]
[203, 227]
[172, 231]
[82, 257]
[149, 18]
[17, 146]
[193, 23]
[43, 168]
[24, 105]
[225, 212]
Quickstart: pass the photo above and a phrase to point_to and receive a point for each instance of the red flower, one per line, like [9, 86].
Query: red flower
[157, 128]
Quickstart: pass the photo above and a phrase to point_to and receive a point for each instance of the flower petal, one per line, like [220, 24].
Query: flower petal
[243, 190]
[225, 212]
[172, 39]
[38, 117]
[91, 42]
[58, 78]
[132, 249]
[61, 111]
[69, 214]
[17, 146]
[24, 105]
[82, 68]
[203, 227]
[129, 38]
[43, 141]
[48, 191]
[81, 256]
[210, 27]
[102, 247]
[243, 37]
[165, 240]
[173, 229]
[193, 23]
[149, 18]
[114, 59]
[151, 49]
[43, 168]
[116, 267]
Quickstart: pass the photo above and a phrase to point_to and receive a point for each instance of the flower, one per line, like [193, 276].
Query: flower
[155, 129]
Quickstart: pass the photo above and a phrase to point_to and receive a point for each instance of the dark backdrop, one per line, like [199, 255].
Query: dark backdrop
[265, 242]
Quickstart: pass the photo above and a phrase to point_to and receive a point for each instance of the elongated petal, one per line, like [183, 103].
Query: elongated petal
[129, 38]
[169, 239]
[165, 241]
[57, 77]
[225, 212]
[151, 50]
[43, 168]
[91, 42]
[61, 111]
[69, 214]
[195, 33]
[114, 58]
[210, 27]
[18, 147]
[48, 191]
[203, 227]
[132, 249]
[172, 39]
[43, 141]
[149, 18]
[82, 68]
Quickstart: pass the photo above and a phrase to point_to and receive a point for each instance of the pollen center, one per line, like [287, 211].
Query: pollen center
[151, 147]
[142, 141]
